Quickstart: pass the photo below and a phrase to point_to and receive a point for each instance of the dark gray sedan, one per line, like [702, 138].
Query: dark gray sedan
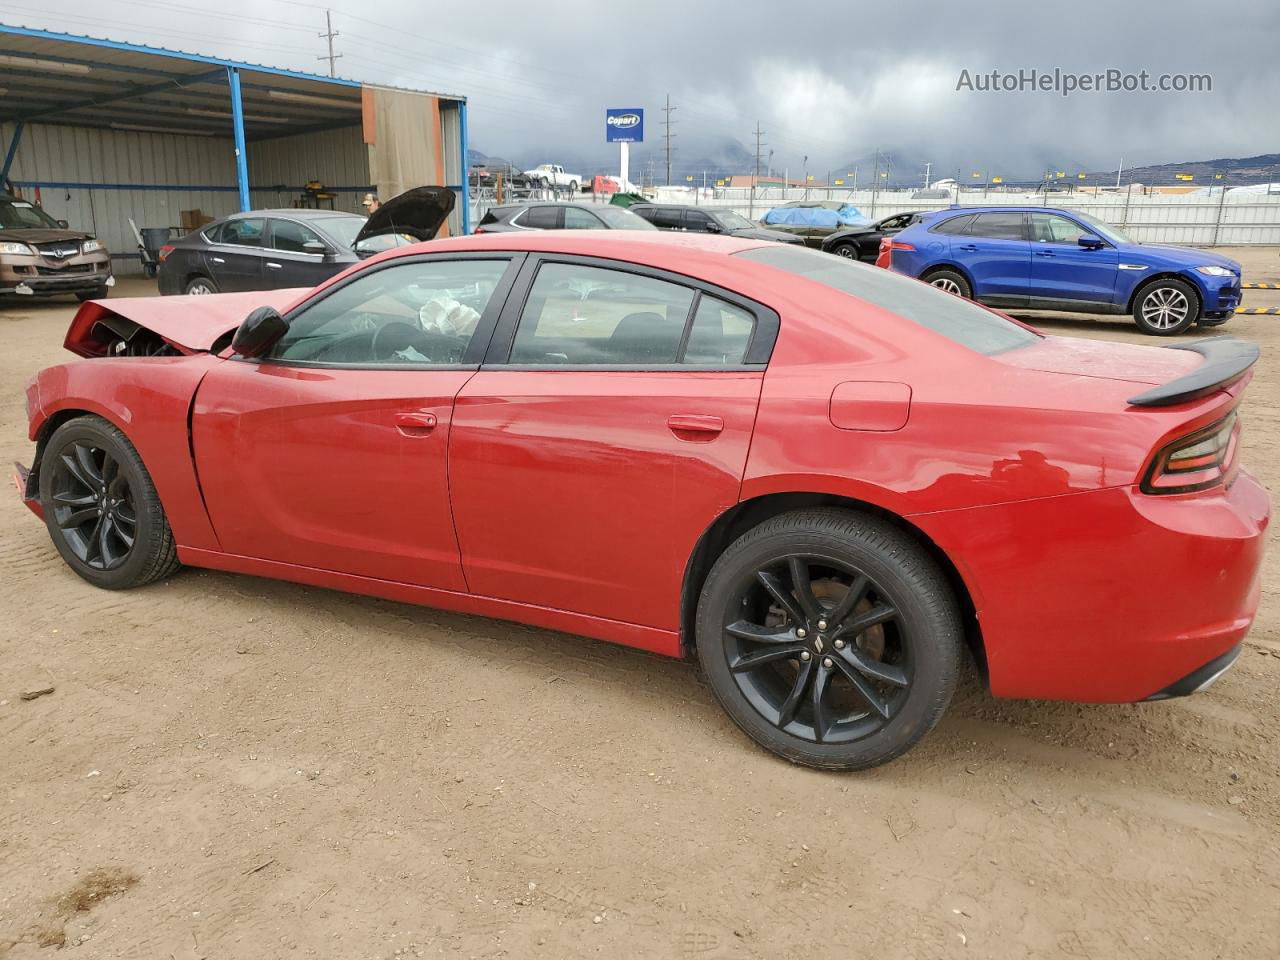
[277, 249]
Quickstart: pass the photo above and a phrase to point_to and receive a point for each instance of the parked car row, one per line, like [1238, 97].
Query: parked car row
[1012, 258]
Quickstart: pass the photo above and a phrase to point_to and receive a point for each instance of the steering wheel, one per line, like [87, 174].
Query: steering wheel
[391, 338]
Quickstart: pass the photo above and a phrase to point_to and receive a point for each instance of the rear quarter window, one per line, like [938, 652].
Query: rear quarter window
[959, 320]
[954, 225]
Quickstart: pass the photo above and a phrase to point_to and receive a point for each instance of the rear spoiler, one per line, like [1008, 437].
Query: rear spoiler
[1226, 360]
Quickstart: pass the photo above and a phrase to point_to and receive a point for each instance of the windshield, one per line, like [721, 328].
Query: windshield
[620, 219]
[1105, 230]
[734, 221]
[341, 229]
[21, 215]
[959, 320]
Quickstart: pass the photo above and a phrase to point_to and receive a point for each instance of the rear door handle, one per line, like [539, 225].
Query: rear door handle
[695, 425]
[415, 424]
[218, 260]
[1045, 253]
[274, 266]
[969, 248]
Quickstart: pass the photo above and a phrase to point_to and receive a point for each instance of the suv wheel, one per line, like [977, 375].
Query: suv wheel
[949, 281]
[1166, 308]
[200, 286]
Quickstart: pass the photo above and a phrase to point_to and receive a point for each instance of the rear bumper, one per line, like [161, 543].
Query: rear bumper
[1119, 596]
[1201, 678]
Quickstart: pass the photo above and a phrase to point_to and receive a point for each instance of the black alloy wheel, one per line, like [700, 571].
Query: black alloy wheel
[93, 505]
[101, 507]
[820, 651]
[832, 638]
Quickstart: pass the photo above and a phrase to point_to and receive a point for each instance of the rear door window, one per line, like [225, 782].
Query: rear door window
[668, 218]
[579, 315]
[954, 225]
[999, 226]
[540, 218]
[246, 232]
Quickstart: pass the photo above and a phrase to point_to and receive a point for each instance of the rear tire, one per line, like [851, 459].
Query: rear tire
[101, 508]
[847, 250]
[950, 281]
[200, 286]
[813, 671]
[1165, 308]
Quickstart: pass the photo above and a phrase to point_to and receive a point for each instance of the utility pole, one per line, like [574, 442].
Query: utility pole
[667, 121]
[805, 172]
[927, 167]
[329, 34]
[760, 144]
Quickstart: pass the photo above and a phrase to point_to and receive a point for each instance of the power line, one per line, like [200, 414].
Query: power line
[667, 121]
[329, 34]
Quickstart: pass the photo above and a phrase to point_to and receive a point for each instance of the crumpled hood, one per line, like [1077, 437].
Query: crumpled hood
[190, 324]
[41, 235]
[418, 212]
[1105, 360]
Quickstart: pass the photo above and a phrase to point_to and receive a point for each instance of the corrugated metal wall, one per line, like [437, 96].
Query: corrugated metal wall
[97, 179]
[278, 169]
[146, 176]
[451, 146]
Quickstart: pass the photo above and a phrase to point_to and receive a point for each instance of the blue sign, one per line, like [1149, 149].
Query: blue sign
[623, 126]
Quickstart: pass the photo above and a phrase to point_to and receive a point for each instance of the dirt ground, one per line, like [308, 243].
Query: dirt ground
[239, 768]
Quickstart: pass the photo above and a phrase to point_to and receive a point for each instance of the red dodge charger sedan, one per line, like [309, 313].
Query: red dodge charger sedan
[823, 480]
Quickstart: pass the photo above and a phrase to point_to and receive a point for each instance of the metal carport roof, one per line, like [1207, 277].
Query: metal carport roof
[61, 78]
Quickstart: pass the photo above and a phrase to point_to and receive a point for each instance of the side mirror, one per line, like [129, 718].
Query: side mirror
[712, 227]
[63, 224]
[1089, 241]
[259, 332]
[315, 246]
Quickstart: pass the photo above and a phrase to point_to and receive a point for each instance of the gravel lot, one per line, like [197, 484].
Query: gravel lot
[238, 768]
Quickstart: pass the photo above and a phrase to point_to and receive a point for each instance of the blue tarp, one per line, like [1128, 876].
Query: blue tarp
[847, 216]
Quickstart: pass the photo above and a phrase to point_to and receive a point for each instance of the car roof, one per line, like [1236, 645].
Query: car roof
[1010, 209]
[297, 212]
[642, 246]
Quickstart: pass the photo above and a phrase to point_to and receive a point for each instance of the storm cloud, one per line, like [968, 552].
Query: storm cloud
[833, 82]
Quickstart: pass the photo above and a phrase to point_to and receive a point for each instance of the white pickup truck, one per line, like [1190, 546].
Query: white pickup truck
[553, 175]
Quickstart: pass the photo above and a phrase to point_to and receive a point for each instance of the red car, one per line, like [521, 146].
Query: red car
[822, 479]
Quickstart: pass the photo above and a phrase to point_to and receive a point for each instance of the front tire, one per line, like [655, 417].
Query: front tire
[101, 508]
[847, 250]
[830, 637]
[98, 293]
[1166, 308]
[950, 281]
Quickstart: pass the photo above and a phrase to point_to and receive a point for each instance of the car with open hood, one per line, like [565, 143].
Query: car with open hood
[275, 249]
[825, 482]
[41, 256]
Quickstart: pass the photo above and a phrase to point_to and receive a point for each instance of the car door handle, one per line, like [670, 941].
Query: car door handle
[691, 426]
[274, 266]
[218, 260]
[969, 248]
[1045, 253]
[415, 424]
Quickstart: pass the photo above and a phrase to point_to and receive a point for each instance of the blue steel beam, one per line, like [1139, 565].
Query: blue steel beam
[13, 150]
[237, 127]
[116, 96]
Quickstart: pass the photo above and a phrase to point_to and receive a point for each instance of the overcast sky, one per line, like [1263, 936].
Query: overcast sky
[833, 81]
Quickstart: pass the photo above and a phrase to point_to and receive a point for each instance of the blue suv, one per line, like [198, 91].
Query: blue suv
[1038, 258]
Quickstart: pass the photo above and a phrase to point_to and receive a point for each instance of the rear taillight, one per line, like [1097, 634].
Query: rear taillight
[1197, 461]
[899, 245]
[163, 252]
